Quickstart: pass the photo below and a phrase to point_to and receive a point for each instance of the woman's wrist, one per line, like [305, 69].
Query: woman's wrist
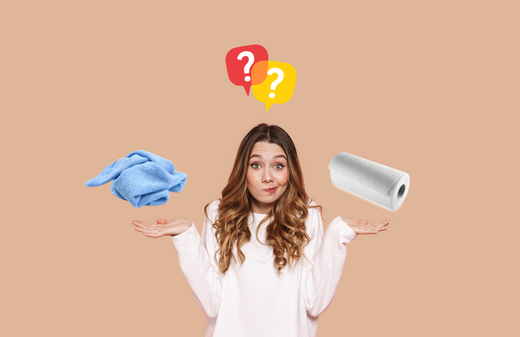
[181, 228]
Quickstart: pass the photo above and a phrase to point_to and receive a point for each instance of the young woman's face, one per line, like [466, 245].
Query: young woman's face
[267, 175]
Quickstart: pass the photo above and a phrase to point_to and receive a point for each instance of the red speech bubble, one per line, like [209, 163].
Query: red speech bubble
[239, 62]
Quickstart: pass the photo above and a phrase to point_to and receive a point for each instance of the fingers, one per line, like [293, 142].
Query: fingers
[381, 226]
[383, 222]
[363, 227]
[153, 233]
[147, 229]
[140, 224]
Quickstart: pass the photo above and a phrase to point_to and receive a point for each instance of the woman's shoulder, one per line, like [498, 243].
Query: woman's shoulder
[314, 209]
[313, 206]
[211, 210]
[214, 204]
[311, 203]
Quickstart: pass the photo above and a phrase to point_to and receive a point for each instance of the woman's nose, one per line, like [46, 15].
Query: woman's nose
[267, 177]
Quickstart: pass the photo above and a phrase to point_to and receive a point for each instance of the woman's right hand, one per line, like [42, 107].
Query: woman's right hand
[163, 227]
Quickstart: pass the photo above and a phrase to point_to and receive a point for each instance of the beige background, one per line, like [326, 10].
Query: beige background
[430, 88]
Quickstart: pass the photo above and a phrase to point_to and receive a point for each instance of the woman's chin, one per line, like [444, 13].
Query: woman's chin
[268, 201]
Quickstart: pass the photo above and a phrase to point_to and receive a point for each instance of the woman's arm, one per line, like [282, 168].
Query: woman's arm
[329, 253]
[195, 256]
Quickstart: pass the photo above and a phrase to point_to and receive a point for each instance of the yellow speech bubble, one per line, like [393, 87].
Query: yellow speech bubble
[278, 86]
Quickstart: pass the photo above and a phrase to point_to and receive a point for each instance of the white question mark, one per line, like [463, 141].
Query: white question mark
[251, 60]
[277, 81]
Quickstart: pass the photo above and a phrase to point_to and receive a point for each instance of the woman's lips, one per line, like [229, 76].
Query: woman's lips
[270, 190]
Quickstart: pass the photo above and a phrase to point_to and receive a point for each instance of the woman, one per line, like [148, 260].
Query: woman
[277, 281]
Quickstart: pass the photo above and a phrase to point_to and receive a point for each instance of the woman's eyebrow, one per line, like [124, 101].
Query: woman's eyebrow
[259, 156]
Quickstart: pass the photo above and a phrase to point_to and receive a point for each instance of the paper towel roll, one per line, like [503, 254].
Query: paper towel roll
[375, 182]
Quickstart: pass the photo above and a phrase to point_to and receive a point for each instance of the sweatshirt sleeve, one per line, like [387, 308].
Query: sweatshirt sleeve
[327, 255]
[196, 259]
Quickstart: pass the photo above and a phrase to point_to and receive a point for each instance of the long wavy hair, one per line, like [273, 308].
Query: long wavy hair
[286, 232]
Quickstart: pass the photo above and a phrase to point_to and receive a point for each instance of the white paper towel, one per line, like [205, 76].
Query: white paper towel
[375, 182]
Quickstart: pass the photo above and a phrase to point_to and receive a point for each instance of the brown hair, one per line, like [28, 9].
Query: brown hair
[286, 232]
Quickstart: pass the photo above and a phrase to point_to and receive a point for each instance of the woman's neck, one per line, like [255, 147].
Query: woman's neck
[260, 208]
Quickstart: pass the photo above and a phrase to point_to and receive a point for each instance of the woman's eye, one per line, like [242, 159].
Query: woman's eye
[278, 166]
[255, 166]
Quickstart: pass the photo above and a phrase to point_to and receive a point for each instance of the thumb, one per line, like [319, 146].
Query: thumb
[162, 221]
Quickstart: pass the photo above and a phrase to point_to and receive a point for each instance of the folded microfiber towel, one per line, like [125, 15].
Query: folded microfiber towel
[142, 178]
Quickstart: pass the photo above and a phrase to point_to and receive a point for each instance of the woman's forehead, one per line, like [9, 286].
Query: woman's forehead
[267, 150]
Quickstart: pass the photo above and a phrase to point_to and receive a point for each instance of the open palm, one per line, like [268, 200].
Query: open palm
[162, 227]
[363, 227]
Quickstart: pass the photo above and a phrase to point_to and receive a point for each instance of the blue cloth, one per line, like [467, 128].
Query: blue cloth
[142, 178]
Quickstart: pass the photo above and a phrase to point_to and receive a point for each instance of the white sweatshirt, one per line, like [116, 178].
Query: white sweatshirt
[252, 299]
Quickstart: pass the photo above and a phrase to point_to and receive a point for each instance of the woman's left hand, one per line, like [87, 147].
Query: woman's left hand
[363, 227]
